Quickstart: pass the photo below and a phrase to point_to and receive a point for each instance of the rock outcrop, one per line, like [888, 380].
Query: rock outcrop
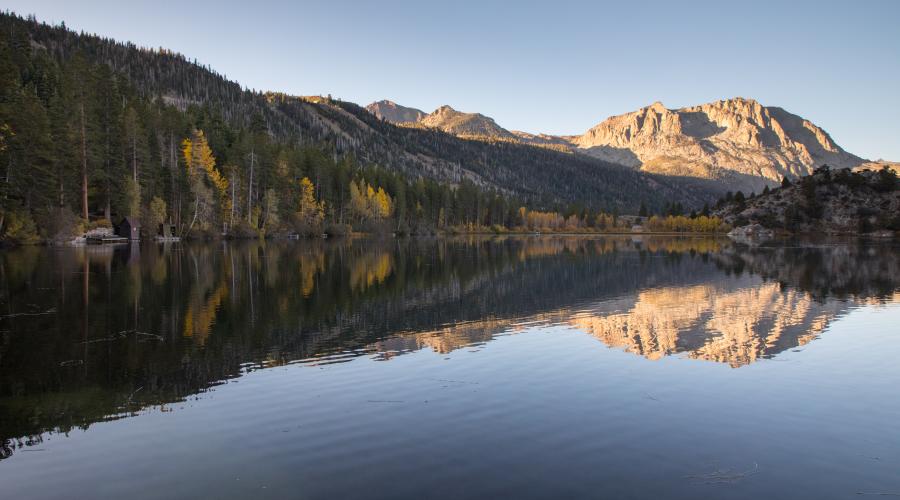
[394, 113]
[449, 120]
[464, 124]
[751, 234]
[828, 201]
[738, 141]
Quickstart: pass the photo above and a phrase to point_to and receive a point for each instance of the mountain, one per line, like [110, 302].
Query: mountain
[461, 124]
[444, 118]
[394, 113]
[735, 144]
[736, 141]
[464, 124]
[546, 140]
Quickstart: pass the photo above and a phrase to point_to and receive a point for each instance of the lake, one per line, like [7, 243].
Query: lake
[468, 367]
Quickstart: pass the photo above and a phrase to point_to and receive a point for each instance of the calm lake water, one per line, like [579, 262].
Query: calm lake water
[525, 367]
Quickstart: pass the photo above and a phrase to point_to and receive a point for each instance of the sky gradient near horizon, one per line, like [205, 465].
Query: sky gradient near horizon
[552, 67]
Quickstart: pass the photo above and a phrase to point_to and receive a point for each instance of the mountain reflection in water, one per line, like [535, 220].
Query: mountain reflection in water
[97, 333]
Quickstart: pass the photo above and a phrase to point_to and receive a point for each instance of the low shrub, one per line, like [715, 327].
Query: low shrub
[337, 230]
[60, 225]
[19, 229]
[243, 230]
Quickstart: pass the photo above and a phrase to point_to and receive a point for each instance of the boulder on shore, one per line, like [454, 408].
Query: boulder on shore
[751, 233]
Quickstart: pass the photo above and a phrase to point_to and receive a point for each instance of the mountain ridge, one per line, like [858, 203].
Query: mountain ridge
[464, 124]
[717, 140]
[737, 142]
[391, 111]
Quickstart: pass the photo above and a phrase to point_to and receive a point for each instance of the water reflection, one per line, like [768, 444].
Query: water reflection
[98, 333]
[734, 323]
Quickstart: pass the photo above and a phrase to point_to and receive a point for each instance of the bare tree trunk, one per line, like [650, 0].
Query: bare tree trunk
[266, 216]
[233, 195]
[8, 169]
[108, 209]
[250, 188]
[84, 171]
[176, 192]
[134, 157]
[134, 173]
[196, 209]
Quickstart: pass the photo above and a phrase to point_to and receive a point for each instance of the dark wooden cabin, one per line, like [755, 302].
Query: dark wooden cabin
[129, 228]
[167, 230]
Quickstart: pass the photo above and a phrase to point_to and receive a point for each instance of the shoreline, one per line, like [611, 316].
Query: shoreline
[716, 235]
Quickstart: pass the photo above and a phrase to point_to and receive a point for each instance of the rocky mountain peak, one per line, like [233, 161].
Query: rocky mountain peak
[464, 124]
[736, 140]
[737, 143]
[390, 111]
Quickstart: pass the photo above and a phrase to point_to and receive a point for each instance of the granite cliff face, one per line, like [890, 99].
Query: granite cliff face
[394, 113]
[738, 144]
[738, 141]
[464, 124]
[444, 118]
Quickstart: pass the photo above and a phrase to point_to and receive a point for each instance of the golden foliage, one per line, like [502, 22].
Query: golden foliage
[682, 224]
[367, 203]
[199, 318]
[311, 264]
[310, 211]
[536, 220]
[198, 158]
[370, 269]
[201, 169]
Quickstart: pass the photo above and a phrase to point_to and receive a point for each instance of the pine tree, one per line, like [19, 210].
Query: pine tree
[80, 79]
[108, 108]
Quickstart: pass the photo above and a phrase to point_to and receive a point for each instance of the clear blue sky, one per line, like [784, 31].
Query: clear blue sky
[552, 66]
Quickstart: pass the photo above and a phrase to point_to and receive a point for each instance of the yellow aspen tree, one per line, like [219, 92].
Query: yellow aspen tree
[372, 209]
[384, 205]
[310, 211]
[202, 173]
[359, 205]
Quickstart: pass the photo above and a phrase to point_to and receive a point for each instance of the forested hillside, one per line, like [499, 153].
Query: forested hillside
[92, 130]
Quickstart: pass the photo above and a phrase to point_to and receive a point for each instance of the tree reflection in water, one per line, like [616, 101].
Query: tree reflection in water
[97, 333]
